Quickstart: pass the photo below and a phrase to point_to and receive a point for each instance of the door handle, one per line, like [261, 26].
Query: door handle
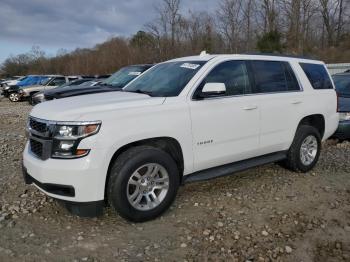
[248, 108]
[296, 102]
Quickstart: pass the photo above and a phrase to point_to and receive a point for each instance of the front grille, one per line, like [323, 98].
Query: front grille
[37, 126]
[36, 148]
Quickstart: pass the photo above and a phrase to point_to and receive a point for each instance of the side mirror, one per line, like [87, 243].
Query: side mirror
[213, 89]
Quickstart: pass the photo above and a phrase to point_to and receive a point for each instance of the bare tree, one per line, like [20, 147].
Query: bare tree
[230, 19]
[268, 11]
[291, 26]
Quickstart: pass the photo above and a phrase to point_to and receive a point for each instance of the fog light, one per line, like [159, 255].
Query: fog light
[66, 145]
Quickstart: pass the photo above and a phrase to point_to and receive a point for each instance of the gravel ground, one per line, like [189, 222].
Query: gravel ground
[264, 214]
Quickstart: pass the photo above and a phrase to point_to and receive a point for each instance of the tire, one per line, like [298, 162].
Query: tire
[14, 97]
[121, 184]
[31, 101]
[295, 161]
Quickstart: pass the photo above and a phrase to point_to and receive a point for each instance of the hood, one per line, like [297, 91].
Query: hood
[76, 108]
[62, 92]
[10, 82]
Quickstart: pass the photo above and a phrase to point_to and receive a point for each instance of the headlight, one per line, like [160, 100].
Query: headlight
[20, 91]
[344, 116]
[67, 137]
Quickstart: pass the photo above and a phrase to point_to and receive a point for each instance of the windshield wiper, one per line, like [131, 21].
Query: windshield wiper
[139, 91]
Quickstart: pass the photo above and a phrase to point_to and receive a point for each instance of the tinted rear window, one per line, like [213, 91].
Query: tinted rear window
[342, 84]
[317, 75]
[273, 76]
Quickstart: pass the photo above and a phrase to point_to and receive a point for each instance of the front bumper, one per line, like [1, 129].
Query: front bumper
[343, 131]
[77, 180]
[85, 209]
[5, 93]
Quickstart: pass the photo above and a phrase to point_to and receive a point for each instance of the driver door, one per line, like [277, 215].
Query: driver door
[225, 127]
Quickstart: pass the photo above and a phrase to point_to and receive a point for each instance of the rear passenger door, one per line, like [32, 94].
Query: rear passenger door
[225, 128]
[281, 101]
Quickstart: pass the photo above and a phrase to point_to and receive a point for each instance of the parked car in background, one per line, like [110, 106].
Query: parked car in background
[114, 83]
[39, 96]
[102, 77]
[342, 86]
[184, 120]
[12, 91]
[6, 85]
[12, 81]
[51, 82]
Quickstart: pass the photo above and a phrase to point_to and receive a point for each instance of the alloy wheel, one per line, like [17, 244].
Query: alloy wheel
[14, 97]
[308, 150]
[148, 187]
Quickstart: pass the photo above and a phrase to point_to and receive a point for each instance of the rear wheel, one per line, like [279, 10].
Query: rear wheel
[143, 183]
[305, 149]
[14, 97]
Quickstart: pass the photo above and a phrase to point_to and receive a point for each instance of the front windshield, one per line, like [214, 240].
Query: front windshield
[123, 76]
[167, 79]
[27, 80]
[24, 81]
[342, 84]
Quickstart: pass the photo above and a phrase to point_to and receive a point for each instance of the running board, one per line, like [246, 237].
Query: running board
[232, 168]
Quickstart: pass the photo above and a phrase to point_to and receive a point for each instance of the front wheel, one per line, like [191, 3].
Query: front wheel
[14, 97]
[143, 183]
[305, 149]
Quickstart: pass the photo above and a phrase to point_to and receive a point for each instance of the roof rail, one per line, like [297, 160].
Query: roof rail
[281, 55]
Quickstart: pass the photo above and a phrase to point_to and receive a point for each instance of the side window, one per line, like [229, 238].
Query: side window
[317, 76]
[292, 82]
[58, 81]
[273, 76]
[233, 74]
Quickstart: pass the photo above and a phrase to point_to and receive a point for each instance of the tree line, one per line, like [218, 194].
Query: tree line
[314, 28]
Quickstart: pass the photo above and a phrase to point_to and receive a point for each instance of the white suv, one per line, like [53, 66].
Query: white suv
[184, 120]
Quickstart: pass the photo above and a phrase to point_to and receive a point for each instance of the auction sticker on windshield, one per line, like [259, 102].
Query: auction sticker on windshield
[134, 73]
[190, 66]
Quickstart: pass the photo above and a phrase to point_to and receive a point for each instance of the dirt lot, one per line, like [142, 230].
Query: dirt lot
[264, 214]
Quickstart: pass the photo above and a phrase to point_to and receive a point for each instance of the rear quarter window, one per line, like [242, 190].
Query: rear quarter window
[317, 75]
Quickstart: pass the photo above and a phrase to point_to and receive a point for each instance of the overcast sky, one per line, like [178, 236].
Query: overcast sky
[56, 24]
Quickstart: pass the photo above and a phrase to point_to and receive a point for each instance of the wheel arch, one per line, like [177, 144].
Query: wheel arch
[168, 144]
[315, 120]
